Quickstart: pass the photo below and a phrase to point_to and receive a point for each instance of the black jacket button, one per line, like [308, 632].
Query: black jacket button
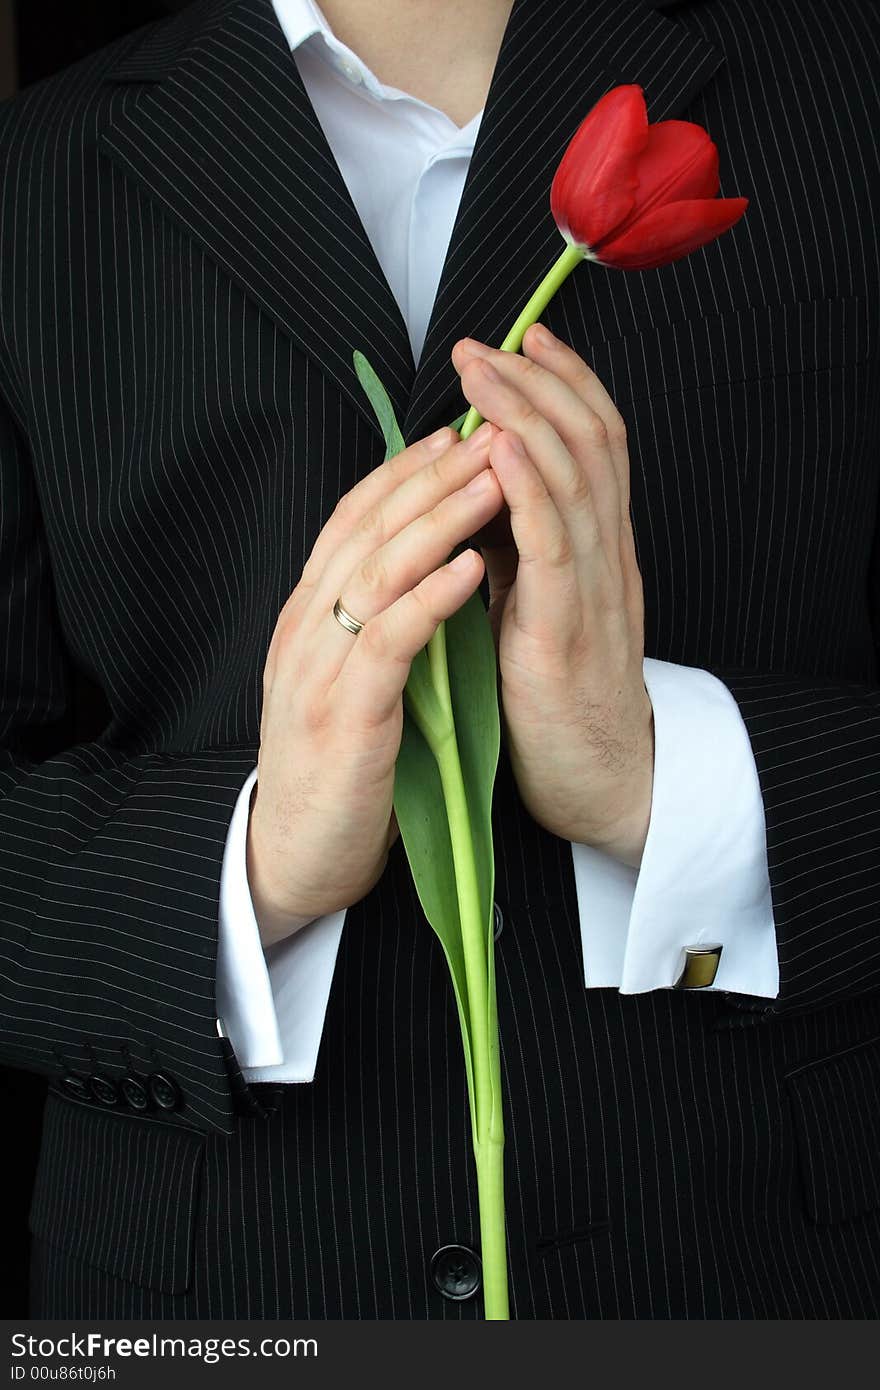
[456, 1271]
[134, 1091]
[103, 1089]
[499, 921]
[164, 1090]
[76, 1086]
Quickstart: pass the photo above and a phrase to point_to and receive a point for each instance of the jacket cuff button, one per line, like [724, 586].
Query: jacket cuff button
[164, 1090]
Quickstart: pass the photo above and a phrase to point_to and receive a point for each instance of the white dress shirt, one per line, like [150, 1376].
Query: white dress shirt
[703, 876]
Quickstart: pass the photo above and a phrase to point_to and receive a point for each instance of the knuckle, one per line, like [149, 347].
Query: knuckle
[431, 524]
[559, 552]
[283, 639]
[372, 523]
[579, 488]
[399, 467]
[373, 574]
[435, 473]
[421, 608]
[595, 430]
[528, 418]
[316, 714]
[345, 509]
[373, 638]
[525, 366]
[582, 375]
[617, 433]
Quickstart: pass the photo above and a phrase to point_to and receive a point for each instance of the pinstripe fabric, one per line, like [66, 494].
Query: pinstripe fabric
[182, 281]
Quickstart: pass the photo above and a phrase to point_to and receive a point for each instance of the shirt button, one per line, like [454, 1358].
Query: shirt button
[351, 70]
[456, 1271]
[499, 921]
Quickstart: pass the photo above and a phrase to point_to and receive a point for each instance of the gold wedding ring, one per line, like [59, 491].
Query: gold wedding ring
[345, 619]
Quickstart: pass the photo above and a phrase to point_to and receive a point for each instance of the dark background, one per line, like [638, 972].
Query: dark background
[46, 35]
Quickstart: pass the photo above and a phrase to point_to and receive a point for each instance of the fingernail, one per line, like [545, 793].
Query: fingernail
[480, 437]
[437, 442]
[481, 483]
[471, 346]
[462, 562]
[542, 335]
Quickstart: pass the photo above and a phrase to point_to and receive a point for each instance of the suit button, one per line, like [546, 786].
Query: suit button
[164, 1090]
[499, 921]
[103, 1089]
[456, 1271]
[134, 1092]
[76, 1086]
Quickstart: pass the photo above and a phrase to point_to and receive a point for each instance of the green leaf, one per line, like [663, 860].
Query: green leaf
[424, 829]
[381, 403]
[457, 424]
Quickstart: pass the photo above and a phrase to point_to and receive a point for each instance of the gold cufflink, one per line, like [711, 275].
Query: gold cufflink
[699, 966]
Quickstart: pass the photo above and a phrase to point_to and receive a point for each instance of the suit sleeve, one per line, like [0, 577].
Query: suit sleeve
[110, 860]
[816, 744]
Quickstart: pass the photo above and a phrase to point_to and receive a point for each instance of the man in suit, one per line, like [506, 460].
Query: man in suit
[183, 277]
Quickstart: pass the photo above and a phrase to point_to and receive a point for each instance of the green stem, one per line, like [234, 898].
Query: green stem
[493, 1238]
[487, 1123]
[475, 931]
[533, 309]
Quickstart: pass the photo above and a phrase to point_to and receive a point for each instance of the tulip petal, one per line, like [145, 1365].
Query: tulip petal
[679, 161]
[671, 231]
[594, 187]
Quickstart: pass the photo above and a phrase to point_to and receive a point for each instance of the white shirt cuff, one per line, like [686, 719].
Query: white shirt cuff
[704, 875]
[271, 1003]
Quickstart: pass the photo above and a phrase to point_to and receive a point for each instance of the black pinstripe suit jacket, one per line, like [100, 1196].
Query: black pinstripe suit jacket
[183, 278]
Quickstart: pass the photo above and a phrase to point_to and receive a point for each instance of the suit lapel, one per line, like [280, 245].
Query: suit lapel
[227, 142]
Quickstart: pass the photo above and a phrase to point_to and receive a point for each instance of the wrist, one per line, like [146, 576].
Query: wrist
[627, 844]
[626, 840]
[275, 918]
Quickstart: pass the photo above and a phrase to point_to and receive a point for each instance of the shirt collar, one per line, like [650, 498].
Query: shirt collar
[300, 19]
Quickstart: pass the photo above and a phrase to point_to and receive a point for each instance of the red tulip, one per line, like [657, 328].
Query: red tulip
[635, 196]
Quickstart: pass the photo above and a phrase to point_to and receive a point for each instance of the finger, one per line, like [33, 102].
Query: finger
[548, 591]
[558, 357]
[380, 483]
[563, 362]
[378, 666]
[384, 575]
[561, 359]
[535, 405]
[415, 495]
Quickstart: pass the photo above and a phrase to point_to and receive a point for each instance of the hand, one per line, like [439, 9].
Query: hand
[322, 822]
[566, 600]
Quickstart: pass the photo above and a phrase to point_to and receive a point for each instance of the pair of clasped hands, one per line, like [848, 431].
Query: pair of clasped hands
[542, 487]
